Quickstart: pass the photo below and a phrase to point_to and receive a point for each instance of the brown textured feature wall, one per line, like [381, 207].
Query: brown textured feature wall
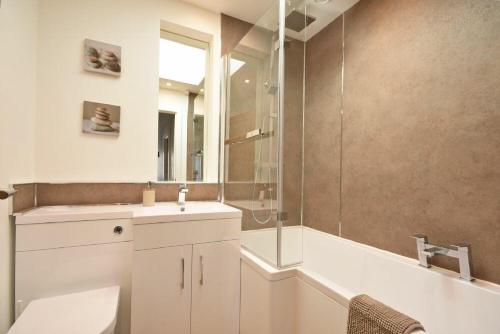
[421, 127]
[323, 105]
[293, 131]
[24, 198]
[232, 31]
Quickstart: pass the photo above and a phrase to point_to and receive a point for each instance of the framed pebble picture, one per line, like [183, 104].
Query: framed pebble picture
[101, 119]
[102, 58]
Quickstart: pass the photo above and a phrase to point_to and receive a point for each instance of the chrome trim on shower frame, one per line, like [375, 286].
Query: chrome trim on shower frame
[281, 101]
[224, 94]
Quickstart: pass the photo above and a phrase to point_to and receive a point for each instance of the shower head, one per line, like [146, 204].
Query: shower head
[297, 21]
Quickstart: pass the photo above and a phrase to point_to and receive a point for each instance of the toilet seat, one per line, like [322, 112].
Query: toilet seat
[89, 312]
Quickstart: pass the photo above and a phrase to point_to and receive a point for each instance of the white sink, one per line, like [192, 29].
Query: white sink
[161, 212]
[170, 211]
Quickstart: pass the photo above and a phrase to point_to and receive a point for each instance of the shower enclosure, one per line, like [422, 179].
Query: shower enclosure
[263, 99]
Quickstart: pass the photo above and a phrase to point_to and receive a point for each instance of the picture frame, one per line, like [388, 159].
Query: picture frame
[102, 58]
[101, 119]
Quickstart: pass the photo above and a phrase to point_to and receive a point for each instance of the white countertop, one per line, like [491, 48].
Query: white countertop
[161, 212]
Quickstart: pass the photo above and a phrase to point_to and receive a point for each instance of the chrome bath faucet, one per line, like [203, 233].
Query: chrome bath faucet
[460, 251]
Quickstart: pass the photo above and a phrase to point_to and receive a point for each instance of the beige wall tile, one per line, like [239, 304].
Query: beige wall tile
[293, 131]
[421, 140]
[24, 198]
[323, 103]
[421, 127]
[108, 193]
[232, 31]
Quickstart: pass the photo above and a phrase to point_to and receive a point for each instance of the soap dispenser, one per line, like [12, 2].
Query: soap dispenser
[148, 195]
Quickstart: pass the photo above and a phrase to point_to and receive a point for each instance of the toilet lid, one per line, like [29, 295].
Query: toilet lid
[89, 312]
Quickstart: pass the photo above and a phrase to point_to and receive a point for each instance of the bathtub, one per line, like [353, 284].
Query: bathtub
[314, 296]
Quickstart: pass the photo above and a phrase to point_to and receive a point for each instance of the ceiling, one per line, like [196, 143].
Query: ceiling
[245, 10]
[264, 13]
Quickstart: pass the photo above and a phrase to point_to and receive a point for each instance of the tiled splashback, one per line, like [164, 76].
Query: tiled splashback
[104, 193]
[24, 198]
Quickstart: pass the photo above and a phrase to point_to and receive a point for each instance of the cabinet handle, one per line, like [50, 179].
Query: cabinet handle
[201, 270]
[182, 274]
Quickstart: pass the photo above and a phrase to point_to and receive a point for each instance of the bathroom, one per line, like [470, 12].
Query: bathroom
[274, 166]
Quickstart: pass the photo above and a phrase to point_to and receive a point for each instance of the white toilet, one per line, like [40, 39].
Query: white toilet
[72, 276]
[89, 312]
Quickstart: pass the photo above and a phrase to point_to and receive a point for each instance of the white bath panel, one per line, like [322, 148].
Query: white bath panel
[317, 313]
[335, 269]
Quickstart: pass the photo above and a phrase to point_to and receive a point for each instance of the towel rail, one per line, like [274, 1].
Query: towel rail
[6, 193]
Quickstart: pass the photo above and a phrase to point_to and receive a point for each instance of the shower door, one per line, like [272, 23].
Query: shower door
[293, 21]
[263, 138]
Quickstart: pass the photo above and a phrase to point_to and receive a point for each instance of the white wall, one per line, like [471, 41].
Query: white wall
[18, 40]
[42, 82]
[63, 153]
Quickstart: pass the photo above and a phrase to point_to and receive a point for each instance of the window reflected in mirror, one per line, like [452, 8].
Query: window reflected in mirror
[182, 125]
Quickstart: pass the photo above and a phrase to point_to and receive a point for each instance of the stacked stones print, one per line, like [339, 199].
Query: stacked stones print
[101, 121]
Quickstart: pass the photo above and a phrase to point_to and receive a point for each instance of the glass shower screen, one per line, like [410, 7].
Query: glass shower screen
[263, 137]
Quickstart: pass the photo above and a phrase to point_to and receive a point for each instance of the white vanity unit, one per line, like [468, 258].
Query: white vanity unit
[186, 271]
[178, 272]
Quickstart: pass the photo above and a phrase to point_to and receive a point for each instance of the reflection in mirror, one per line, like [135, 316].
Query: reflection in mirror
[197, 160]
[182, 109]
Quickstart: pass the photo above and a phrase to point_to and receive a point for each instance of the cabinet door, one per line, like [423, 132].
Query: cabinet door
[216, 288]
[161, 291]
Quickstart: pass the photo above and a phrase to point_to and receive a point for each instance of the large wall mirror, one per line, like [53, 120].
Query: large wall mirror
[183, 109]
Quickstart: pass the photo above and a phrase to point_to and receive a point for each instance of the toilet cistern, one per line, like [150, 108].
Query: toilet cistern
[460, 251]
[181, 200]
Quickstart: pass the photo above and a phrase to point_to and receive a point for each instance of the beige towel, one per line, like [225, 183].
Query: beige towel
[368, 316]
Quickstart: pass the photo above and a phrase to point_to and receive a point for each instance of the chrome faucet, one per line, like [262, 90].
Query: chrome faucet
[460, 251]
[181, 200]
